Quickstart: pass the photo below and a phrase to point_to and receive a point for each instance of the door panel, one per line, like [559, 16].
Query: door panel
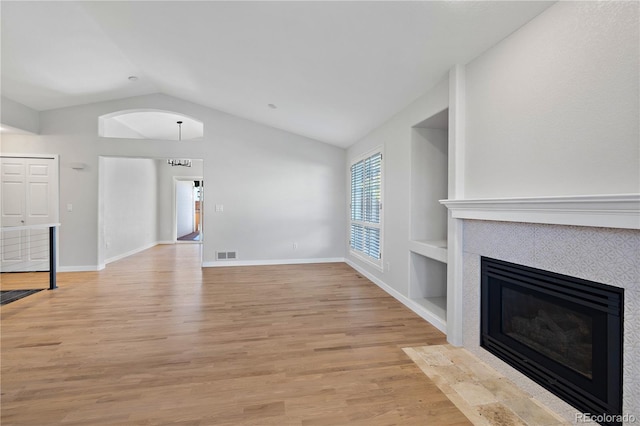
[12, 167]
[13, 203]
[38, 197]
[39, 200]
[38, 169]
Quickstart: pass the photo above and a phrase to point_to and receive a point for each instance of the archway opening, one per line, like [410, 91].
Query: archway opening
[150, 124]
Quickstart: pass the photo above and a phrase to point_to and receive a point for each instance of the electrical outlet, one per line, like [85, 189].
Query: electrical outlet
[295, 246]
[388, 266]
[219, 207]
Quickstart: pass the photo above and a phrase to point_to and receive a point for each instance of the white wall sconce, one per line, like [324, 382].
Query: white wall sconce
[77, 166]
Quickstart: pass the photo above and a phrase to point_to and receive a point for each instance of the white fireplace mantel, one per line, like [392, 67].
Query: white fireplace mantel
[609, 211]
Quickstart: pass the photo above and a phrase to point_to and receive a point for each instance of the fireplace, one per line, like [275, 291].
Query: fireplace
[565, 333]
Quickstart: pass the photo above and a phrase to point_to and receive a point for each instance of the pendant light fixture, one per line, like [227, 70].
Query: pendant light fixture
[179, 162]
[179, 130]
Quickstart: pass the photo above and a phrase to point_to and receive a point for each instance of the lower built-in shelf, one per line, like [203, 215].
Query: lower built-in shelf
[437, 306]
[433, 249]
[428, 281]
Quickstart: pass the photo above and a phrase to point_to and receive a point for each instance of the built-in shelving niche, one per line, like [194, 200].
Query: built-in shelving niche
[428, 240]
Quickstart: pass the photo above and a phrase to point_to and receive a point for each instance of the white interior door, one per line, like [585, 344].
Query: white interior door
[184, 208]
[29, 197]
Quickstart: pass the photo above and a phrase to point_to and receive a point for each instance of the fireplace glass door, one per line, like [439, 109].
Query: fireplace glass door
[561, 333]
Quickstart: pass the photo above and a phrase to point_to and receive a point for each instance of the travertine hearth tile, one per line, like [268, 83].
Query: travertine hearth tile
[503, 389]
[474, 393]
[499, 415]
[480, 370]
[454, 374]
[435, 358]
[472, 413]
[481, 393]
[530, 412]
[461, 356]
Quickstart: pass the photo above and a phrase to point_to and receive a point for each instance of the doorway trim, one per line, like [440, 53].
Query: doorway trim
[177, 179]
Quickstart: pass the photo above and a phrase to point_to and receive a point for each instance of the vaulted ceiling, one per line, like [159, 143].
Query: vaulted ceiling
[334, 70]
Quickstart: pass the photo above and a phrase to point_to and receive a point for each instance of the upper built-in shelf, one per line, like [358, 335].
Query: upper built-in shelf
[436, 250]
[610, 211]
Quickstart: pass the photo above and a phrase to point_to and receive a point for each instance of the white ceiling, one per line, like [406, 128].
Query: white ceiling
[335, 70]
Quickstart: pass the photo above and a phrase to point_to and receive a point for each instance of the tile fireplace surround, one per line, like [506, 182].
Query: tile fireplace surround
[605, 255]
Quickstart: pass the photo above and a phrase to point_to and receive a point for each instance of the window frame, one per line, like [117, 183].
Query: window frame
[377, 263]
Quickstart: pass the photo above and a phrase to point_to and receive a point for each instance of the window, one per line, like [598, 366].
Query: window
[366, 208]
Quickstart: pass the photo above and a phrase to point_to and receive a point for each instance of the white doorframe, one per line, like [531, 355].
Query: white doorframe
[176, 179]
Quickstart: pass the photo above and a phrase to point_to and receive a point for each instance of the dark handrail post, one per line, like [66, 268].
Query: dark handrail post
[52, 258]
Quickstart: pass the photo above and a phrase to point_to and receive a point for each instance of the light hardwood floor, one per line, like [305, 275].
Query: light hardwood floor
[154, 339]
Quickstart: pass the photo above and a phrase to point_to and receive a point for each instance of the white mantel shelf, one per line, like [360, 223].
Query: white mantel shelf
[609, 211]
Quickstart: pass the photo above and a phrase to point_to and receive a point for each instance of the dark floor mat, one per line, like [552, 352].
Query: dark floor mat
[8, 296]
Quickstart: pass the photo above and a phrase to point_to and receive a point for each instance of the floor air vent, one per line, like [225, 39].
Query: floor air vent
[226, 255]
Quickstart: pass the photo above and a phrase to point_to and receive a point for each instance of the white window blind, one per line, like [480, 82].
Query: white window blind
[366, 206]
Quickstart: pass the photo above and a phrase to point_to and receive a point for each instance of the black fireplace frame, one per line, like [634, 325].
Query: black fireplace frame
[600, 394]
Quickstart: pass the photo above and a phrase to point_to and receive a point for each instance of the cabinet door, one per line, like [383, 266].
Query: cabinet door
[29, 197]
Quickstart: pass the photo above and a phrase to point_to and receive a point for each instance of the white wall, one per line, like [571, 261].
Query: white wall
[551, 110]
[276, 192]
[554, 110]
[18, 116]
[184, 208]
[276, 187]
[429, 161]
[130, 204]
[115, 129]
[396, 137]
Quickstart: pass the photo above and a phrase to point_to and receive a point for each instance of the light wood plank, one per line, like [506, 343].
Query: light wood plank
[155, 339]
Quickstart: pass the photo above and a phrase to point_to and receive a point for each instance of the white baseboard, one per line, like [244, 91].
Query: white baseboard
[166, 242]
[130, 253]
[415, 307]
[219, 263]
[83, 268]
